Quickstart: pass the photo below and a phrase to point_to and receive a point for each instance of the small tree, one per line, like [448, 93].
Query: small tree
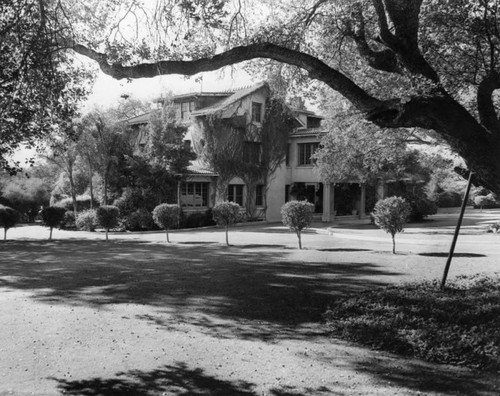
[297, 215]
[391, 215]
[8, 219]
[166, 216]
[52, 216]
[226, 214]
[107, 217]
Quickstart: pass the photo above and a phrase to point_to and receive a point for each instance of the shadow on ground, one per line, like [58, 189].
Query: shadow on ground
[216, 287]
[442, 254]
[171, 380]
[430, 378]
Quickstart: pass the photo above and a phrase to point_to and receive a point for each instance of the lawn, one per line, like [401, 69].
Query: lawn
[138, 316]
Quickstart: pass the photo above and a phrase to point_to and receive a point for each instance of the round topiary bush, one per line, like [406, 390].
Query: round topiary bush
[391, 214]
[107, 217]
[8, 218]
[226, 214]
[166, 216]
[52, 216]
[87, 220]
[297, 215]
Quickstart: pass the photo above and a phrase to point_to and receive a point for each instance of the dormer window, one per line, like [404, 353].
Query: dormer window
[313, 122]
[256, 112]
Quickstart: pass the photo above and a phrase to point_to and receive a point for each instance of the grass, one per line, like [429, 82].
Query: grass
[460, 325]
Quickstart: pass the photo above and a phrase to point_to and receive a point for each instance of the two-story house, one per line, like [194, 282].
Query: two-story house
[294, 176]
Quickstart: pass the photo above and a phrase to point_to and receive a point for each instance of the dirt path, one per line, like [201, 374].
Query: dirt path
[138, 317]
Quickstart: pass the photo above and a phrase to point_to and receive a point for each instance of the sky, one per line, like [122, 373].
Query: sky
[107, 91]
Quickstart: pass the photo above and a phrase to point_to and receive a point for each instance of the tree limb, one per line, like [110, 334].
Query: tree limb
[486, 108]
[317, 69]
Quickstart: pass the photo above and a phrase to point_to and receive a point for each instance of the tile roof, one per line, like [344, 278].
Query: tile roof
[195, 169]
[238, 95]
[140, 119]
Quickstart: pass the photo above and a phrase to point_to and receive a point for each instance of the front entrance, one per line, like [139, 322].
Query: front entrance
[347, 199]
[311, 192]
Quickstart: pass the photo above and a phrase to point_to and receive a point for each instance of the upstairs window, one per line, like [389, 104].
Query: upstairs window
[306, 150]
[256, 112]
[313, 122]
[251, 152]
[287, 155]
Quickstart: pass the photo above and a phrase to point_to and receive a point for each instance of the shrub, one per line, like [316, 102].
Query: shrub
[52, 216]
[420, 208]
[82, 203]
[107, 217]
[139, 220]
[196, 219]
[68, 221]
[166, 216]
[449, 199]
[8, 218]
[87, 220]
[485, 201]
[226, 214]
[391, 214]
[495, 228]
[297, 215]
[456, 326]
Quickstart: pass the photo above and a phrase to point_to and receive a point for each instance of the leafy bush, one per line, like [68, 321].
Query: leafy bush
[485, 201]
[448, 199]
[68, 222]
[52, 216]
[391, 214]
[457, 326]
[226, 214]
[107, 217]
[420, 208]
[166, 216]
[87, 220]
[8, 218]
[196, 219]
[139, 220]
[495, 228]
[82, 203]
[297, 215]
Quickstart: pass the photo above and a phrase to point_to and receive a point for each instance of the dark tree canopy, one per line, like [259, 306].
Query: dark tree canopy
[401, 63]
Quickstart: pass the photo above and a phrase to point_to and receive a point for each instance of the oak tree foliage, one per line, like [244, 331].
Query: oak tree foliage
[401, 64]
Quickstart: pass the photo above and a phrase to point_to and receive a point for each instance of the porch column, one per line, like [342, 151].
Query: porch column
[328, 200]
[362, 201]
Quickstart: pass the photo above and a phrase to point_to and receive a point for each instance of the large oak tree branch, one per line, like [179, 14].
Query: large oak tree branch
[486, 108]
[438, 112]
[404, 16]
[317, 69]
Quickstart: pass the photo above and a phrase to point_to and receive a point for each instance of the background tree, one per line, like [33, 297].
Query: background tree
[297, 215]
[8, 218]
[402, 64]
[52, 216]
[107, 217]
[40, 85]
[166, 216]
[226, 214]
[26, 195]
[391, 215]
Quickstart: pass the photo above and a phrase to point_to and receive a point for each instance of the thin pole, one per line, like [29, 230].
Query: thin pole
[457, 231]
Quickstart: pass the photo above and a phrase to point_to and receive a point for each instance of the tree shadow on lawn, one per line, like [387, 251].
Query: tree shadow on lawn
[227, 283]
[443, 254]
[425, 377]
[177, 379]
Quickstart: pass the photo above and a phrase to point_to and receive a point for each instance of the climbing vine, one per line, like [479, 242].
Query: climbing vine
[235, 147]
